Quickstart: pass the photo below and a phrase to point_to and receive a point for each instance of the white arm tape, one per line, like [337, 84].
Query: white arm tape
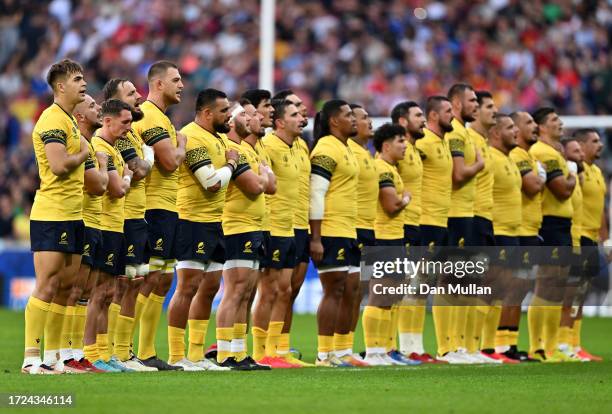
[208, 176]
[148, 154]
[318, 189]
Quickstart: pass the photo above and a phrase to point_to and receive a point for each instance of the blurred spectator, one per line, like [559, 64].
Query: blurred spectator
[374, 52]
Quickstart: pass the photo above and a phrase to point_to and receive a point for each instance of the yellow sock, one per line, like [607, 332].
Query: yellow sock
[469, 328]
[141, 301]
[224, 342]
[274, 332]
[259, 342]
[442, 322]
[351, 340]
[103, 349]
[576, 332]
[565, 333]
[197, 336]
[123, 337]
[341, 341]
[113, 312]
[53, 328]
[551, 327]
[535, 321]
[392, 335]
[489, 329]
[474, 336]
[78, 326]
[371, 321]
[176, 344]
[283, 344]
[418, 317]
[239, 344]
[66, 336]
[501, 337]
[460, 315]
[91, 352]
[384, 328]
[325, 344]
[513, 336]
[148, 326]
[35, 320]
[404, 318]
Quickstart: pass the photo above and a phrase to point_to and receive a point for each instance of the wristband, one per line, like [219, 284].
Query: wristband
[127, 179]
[232, 164]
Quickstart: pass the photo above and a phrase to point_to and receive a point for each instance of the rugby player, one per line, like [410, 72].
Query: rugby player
[56, 220]
[333, 211]
[110, 258]
[544, 314]
[242, 223]
[157, 131]
[390, 143]
[125, 309]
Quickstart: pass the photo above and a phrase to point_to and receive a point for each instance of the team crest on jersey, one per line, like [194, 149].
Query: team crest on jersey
[159, 245]
[130, 251]
[109, 259]
[63, 238]
[276, 255]
[200, 249]
[86, 249]
[340, 255]
[248, 247]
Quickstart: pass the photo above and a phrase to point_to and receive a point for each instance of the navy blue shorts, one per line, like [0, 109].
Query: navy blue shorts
[203, 242]
[460, 230]
[339, 251]
[57, 236]
[161, 228]
[507, 252]
[529, 257]
[365, 237]
[302, 246]
[590, 259]
[280, 253]
[93, 242]
[412, 235]
[137, 241]
[433, 236]
[556, 234]
[111, 255]
[244, 246]
[482, 234]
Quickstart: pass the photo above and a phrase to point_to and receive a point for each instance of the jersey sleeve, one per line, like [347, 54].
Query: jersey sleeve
[126, 149]
[523, 164]
[456, 143]
[551, 164]
[242, 166]
[89, 162]
[196, 158]
[385, 179]
[151, 130]
[322, 162]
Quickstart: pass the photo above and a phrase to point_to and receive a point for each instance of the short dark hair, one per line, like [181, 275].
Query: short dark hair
[160, 68]
[458, 89]
[386, 132]
[60, 70]
[433, 103]
[244, 102]
[401, 110]
[540, 115]
[482, 95]
[113, 107]
[280, 107]
[283, 94]
[515, 115]
[567, 140]
[355, 106]
[330, 109]
[208, 97]
[256, 96]
[111, 87]
[582, 133]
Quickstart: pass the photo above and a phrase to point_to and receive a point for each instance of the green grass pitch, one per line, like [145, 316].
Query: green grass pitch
[541, 388]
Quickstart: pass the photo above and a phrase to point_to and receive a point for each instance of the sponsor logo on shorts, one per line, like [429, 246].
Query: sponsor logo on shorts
[461, 242]
[248, 247]
[340, 255]
[431, 246]
[555, 253]
[502, 254]
[86, 249]
[159, 245]
[130, 251]
[360, 246]
[63, 238]
[526, 259]
[276, 255]
[200, 249]
[110, 259]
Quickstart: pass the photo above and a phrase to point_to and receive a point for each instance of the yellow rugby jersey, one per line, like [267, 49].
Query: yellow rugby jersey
[461, 145]
[411, 171]
[388, 227]
[555, 165]
[58, 198]
[242, 213]
[112, 215]
[161, 186]
[506, 195]
[367, 186]
[334, 161]
[203, 148]
[301, 210]
[483, 201]
[593, 199]
[437, 179]
[284, 161]
[130, 147]
[92, 204]
[531, 207]
[577, 208]
[263, 155]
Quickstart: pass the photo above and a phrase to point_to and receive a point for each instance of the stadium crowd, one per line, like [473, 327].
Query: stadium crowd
[529, 55]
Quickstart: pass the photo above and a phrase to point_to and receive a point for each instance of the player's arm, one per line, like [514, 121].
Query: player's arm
[211, 179]
[168, 157]
[387, 195]
[322, 168]
[463, 173]
[118, 186]
[246, 179]
[139, 166]
[264, 169]
[559, 185]
[60, 162]
[96, 179]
